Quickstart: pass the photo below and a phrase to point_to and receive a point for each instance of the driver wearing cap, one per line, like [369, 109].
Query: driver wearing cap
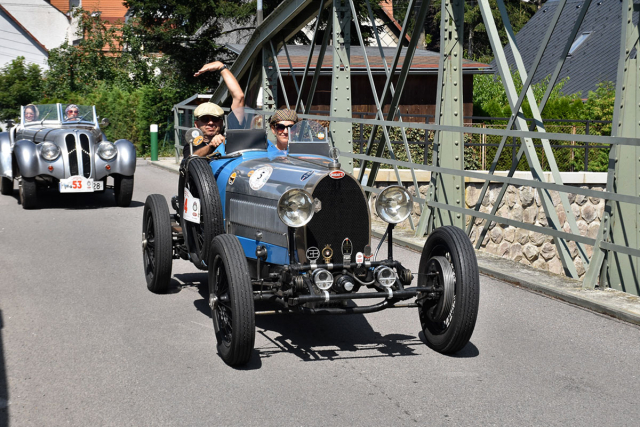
[210, 117]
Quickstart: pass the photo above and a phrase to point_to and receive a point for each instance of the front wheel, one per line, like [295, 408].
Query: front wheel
[231, 300]
[449, 263]
[156, 243]
[6, 186]
[123, 190]
[28, 193]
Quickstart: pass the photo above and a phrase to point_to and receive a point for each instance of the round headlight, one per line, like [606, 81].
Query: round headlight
[107, 150]
[295, 207]
[49, 151]
[394, 204]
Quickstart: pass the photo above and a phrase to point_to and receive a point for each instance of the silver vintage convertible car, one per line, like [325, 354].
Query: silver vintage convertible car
[291, 230]
[61, 146]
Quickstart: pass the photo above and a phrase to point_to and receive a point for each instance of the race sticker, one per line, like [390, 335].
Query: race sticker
[359, 258]
[260, 177]
[320, 135]
[306, 175]
[232, 178]
[191, 207]
[198, 140]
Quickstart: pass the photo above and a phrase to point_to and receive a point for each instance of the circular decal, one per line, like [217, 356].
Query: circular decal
[195, 133]
[320, 135]
[260, 177]
[198, 140]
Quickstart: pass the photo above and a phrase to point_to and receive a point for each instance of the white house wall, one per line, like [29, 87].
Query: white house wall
[44, 22]
[14, 42]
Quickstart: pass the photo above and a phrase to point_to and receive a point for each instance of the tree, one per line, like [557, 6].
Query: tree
[188, 34]
[477, 42]
[20, 84]
[94, 59]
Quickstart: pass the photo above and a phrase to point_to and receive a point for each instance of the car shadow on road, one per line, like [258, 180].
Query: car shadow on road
[317, 337]
[314, 337]
[51, 199]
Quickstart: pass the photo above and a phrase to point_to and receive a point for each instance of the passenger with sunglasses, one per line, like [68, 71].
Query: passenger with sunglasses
[210, 117]
[71, 113]
[281, 122]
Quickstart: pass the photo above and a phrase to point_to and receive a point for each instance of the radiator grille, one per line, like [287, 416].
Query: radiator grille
[344, 214]
[73, 154]
[86, 155]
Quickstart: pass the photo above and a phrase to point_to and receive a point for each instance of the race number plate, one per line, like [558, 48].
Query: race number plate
[191, 207]
[80, 184]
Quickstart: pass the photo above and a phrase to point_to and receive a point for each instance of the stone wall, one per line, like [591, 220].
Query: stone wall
[523, 204]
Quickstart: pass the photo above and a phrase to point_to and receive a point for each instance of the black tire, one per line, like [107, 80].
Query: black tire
[123, 190]
[157, 250]
[452, 334]
[28, 193]
[6, 186]
[231, 300]
[202, 185]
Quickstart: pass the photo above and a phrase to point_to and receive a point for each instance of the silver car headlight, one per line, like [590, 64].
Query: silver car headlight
[49, 151]
[394, 204]
[107, 150]
[296, 207]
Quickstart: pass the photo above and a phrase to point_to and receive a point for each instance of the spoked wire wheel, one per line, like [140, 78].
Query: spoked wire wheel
[156, 243]
[231, 300]
[199, 180]
[449, 263]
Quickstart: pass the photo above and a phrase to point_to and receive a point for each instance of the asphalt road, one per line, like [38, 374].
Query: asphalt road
[84, 343]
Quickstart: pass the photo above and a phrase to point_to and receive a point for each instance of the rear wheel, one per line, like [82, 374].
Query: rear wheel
[123, 190]
[156, 243]
[6, 186]
[198, 236]
[28, 193]
[231, 300]
[449, 263]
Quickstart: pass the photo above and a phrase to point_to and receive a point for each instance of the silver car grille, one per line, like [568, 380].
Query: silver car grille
[79, 150]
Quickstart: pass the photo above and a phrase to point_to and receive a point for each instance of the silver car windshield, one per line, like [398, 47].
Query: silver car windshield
[309, 131]
[72, 113]
[35, 114]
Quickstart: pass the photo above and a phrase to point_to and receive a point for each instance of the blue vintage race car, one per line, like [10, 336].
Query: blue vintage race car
[292, 230]
[64, 149]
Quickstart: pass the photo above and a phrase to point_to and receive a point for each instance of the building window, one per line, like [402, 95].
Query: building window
[75, 3]
[579, 41]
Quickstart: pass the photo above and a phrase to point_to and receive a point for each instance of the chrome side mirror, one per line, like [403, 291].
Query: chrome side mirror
[104, 122]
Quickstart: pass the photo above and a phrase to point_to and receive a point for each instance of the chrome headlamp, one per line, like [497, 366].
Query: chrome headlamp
[322, 278]
[107, 150]
[385, 276]
[394, 204]
[295, 208]
[49, 151]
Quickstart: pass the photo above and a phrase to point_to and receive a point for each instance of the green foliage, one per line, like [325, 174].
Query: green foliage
[476, 40]
[187, 33]
[20, 84]
[490, 101]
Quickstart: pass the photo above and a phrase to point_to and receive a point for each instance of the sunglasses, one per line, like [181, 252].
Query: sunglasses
[207, 119]
[73, 111]
[280, 127]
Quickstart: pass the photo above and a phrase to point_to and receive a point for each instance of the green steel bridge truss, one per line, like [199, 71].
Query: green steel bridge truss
[616, 248]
